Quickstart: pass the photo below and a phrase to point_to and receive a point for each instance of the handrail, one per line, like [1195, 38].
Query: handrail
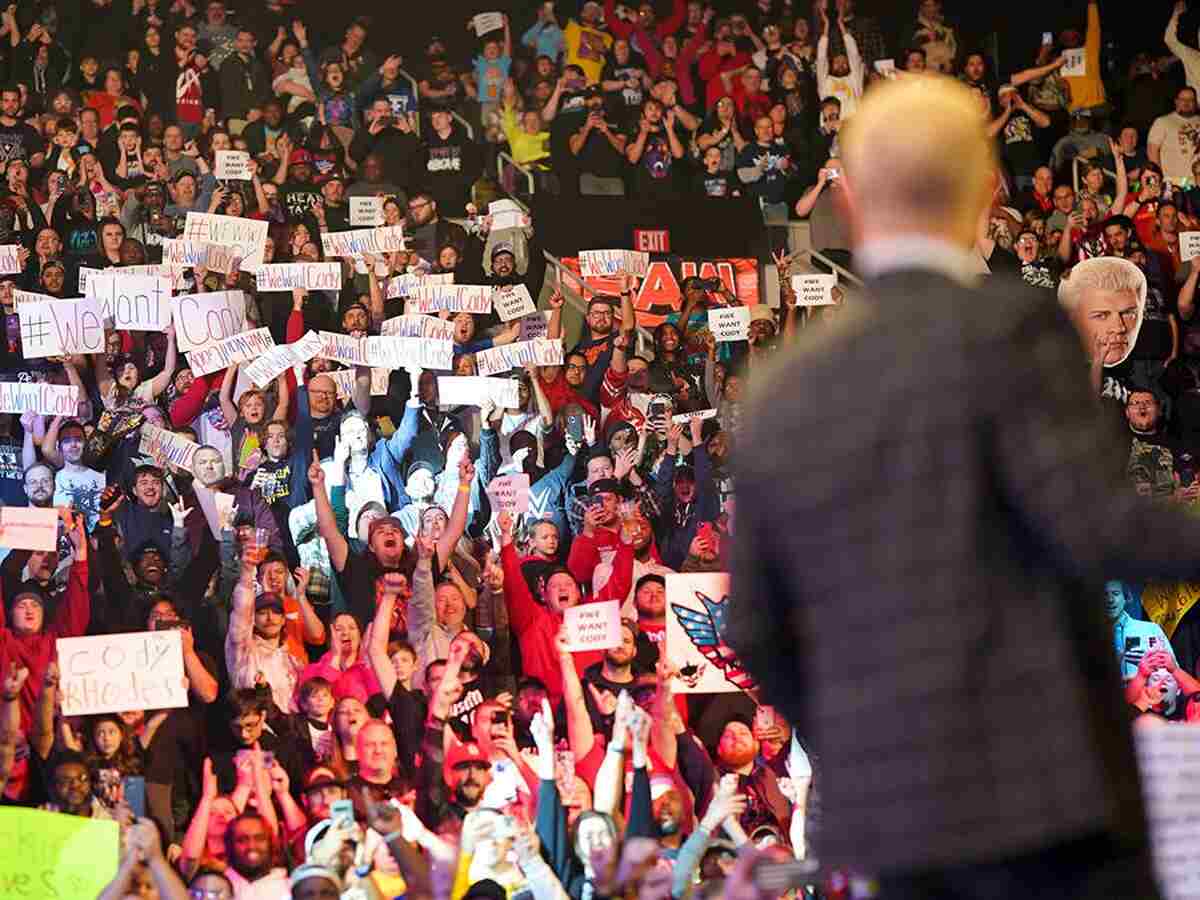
[416, 92]
[577, 300]
[826, 261]
[467, 126]
[501, 157]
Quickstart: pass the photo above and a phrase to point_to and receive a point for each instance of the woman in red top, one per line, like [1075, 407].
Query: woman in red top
[113, 97]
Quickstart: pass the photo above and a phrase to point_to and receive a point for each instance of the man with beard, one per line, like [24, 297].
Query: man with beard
[615, 671]
[39, 485]
[125, 599]
[1152, 464]
[1026, 259]
[843, 75]
[624, 377]
[737, 753]
[70, 785]
[143, 520]
[279, 480]
[426, 232]
[596, 343]
[652, 148]
[1175, 138]
[254, 645]
[250, 849]
[693, 500]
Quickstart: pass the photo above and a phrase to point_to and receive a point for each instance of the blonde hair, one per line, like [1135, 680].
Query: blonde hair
[1104, 273]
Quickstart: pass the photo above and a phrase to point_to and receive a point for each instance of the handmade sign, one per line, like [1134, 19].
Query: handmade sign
[513, 302]
[418, 326]
[10, 259]
[61, 327]
[1189, 245]
[220, 258]
[1076, 65]
[1169, 762]
[282, 357]
[366, 212]
[684, 418]
[695, 641]
[402, 286]
[203, 319]
[247, 236]
[119, 672]
[132, 302]
[232, 165]
[593, 626]
[174, 274]
[487, 21]
[39, 397]
[363, 240]
[166, 447]
[730, 323]
[470, 298]
[613, 262]
[539, 352]
[51, 856]
[536, 325]
[29, 528]
[474, 390]
[506, 214]
[20, 297]
[387, 352]
[509, 493]
[814, 290]
[234, 349]
[305, 276]
[343, 348]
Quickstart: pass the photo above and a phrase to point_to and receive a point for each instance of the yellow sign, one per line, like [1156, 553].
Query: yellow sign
[1167, 602]
[49, 856]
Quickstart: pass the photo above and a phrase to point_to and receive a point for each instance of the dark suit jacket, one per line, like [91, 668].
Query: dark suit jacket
[924, 525]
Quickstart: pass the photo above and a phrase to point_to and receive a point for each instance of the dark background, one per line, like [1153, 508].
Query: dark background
[1013, 27]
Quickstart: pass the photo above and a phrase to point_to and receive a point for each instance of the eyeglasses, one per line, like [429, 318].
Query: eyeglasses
[575, 367]
[320, 393]
[209, 894]
[413, 207]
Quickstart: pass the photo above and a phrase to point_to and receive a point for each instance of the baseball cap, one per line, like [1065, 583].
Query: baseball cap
[605, 486]
[649, 578]
[761, 313]
[28, 589]
[70, 424]
[268, 600]
[503, 247]
[311, 870]
[300, 157]
[465, 754]
[384, 520]
[321, 776]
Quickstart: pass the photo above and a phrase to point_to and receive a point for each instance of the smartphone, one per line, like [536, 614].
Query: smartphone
[657, 409]
[1047, 38]
[134, 789]
[575, 428]
[342, 811]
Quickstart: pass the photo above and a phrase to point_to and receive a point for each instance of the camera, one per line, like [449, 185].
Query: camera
[710, 284]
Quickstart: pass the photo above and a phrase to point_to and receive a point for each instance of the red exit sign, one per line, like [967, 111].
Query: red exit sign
[652, 240]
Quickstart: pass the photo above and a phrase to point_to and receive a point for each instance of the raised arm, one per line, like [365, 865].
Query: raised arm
[162, 380]
[327, 527]
[228, 410]
[377, 643]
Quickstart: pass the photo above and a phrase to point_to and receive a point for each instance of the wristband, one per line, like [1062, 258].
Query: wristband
[107, 523]
[464, 488]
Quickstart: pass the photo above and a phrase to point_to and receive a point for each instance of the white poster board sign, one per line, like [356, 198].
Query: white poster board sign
[10, 259]
[1076, 65]
[695, 643]
[29, 528]
[232, 165]
[601, 263]
[402, 286]
[593, 626]
[20, 297]
[1169, 761]
[517, 355]
[165, 447]
[730, 323]
[366, 212]
[120, 672]
[325, 276]
[533, 326]
[248, 237]
[60, 328]
[47, 399]
[506, 214]
[132, 302]
[224, 353]
[470, 298]
[220, 258]
[512, 302]
[386, 352]
[1189, 245]
[487, 21]
[418, 327]
[509, 493]
[684, 418]
[473, 390]
[814, 290]
[203, 319]
[274, 362]
[363, 240]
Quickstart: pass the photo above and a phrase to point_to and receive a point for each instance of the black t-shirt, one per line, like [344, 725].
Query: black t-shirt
[1155, 339]
[1020, 148]
[654, 172]
[297, 199]
[357, 581]
[18, 141]
[720, 185]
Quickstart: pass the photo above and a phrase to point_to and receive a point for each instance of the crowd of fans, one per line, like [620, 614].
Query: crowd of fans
[382, 699]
